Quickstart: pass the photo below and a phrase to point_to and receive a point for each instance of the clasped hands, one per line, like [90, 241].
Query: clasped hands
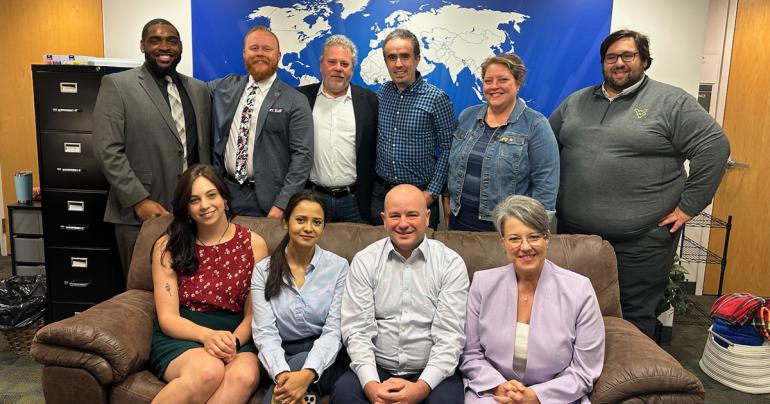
[290, 387]
[396, 390]
[220, 344]
[514, 392]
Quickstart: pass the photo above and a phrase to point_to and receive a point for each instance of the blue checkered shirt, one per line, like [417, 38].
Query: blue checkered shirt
[414, 134]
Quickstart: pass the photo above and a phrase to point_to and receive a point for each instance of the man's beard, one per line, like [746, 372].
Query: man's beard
[163, 71]
[619, 87]
[262, 74]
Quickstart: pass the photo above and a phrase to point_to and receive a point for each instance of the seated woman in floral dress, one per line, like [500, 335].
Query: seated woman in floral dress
[201, 270]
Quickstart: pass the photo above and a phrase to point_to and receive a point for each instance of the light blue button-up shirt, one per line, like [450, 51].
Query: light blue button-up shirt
[298, 313]
[405, 314]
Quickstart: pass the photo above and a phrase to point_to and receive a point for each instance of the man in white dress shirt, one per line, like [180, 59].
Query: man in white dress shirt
[345, 135]
[403, 312]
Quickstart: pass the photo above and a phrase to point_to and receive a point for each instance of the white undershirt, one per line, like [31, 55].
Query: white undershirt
[235, 127]
[625, 90]
[334, 129]
[520, 349]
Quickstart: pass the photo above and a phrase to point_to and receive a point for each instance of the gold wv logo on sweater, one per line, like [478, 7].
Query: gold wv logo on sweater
[640, 112]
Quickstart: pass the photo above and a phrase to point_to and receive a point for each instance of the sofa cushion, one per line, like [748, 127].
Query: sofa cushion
[140, 273]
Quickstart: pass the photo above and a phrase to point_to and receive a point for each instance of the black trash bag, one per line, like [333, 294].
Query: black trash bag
[22, 301]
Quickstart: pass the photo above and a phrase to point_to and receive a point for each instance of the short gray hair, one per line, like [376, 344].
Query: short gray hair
[525, 209]
[343, 42]
[403, 34]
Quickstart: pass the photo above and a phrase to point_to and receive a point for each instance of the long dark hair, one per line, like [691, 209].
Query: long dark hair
[279, 272]
[183, 231]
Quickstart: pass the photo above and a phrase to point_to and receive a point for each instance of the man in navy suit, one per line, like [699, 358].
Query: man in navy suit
[345, 135]
[262, 131]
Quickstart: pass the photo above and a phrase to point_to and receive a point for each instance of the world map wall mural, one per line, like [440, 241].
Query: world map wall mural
[557, 39]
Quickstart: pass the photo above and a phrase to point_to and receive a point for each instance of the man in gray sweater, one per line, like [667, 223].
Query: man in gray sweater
[622, 147]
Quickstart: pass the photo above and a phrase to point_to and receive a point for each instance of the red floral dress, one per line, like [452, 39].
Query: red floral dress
[223, 278]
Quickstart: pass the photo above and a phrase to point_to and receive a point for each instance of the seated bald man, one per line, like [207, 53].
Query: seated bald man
[403, 312]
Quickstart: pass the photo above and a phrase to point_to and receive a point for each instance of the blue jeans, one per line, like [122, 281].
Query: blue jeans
[342, 209]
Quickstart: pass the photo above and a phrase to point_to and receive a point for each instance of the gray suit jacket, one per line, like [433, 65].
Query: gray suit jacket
[136, 141]
[283, 144]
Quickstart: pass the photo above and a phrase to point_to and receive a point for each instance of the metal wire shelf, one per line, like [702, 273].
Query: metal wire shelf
[695, 253]
[692, 251]
[706, 220]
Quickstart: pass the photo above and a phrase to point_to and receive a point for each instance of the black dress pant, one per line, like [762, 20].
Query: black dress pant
[348, 389]
[644, 263]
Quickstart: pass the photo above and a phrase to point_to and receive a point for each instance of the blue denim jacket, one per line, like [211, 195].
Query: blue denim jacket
[522, 159]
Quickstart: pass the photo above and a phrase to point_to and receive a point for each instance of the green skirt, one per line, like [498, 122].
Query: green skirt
[165, 349]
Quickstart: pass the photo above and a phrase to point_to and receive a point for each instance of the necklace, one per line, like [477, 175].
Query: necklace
[526, 298]
[218, 241]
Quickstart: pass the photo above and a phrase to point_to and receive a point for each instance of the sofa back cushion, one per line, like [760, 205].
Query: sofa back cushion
[587, 255]
[344, 239]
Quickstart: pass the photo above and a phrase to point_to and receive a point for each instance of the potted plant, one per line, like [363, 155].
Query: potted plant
[675, 301]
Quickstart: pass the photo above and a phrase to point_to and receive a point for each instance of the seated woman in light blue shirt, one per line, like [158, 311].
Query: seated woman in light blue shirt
[296, 294]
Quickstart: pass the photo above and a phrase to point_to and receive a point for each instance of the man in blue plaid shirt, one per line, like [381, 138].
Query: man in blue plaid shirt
[415, 125]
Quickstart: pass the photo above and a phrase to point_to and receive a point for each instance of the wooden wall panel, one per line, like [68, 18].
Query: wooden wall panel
[28, 30]
[744, 193]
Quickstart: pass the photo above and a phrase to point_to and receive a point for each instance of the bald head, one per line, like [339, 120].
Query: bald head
[403, 193]
[405, 218]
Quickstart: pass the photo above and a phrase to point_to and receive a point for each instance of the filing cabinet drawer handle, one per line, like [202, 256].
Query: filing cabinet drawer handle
[77, 284]
[79, 262]
[73, 147]
[68, 110]
[76, 206]
[70, 170]
[69, 227]
[68, 88]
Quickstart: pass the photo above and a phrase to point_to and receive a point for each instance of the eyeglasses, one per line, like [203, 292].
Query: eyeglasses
[534, 239]
[627, 57]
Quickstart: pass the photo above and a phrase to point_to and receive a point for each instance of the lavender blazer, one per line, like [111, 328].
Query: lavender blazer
[566, 336]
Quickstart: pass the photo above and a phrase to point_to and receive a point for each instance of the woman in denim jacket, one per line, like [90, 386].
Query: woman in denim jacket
[499, 149]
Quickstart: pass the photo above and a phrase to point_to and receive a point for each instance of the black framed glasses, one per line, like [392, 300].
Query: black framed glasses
[627, 57]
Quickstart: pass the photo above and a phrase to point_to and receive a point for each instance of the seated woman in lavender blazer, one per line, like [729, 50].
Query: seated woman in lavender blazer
[534, 330]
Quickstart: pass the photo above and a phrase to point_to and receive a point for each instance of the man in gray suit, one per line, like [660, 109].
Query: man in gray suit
[263, 131]
[150, 123]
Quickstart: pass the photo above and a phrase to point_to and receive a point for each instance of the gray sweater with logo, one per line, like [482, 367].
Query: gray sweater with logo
[622, 161]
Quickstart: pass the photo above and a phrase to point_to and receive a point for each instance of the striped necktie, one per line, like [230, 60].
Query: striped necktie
[242, 152]
[177, 113]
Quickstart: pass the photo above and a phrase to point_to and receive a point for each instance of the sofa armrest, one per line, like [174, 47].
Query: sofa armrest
[635, 366]
[111, 339]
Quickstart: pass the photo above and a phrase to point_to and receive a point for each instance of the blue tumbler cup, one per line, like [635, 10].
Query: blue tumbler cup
[23, 182]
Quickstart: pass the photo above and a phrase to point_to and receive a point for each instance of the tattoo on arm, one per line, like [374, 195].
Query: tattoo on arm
[168, 288]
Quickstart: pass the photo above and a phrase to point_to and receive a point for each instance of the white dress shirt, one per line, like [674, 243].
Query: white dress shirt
[235, 127]
[334, 125]
[406, 315]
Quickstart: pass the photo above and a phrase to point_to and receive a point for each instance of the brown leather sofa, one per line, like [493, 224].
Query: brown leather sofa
[100, 355]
